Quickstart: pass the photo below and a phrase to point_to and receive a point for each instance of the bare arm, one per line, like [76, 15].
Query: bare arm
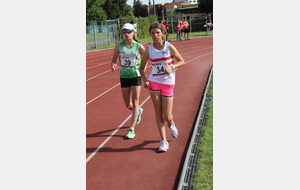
[115, 56]
[141, 49]
[177, 56]
[143, 67]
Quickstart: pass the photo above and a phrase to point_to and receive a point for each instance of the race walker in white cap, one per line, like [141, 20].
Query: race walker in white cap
[129, 53]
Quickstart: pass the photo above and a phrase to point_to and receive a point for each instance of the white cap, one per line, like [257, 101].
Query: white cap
[128, 26]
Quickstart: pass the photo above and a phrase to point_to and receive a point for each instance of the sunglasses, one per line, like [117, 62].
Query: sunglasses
[128, 31]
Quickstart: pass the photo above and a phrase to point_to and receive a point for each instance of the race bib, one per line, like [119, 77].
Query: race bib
[159, 69]
[128, 61]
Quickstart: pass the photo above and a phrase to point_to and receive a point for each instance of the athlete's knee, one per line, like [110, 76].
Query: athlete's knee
[129, 106]
[135, 103]
[168, 117]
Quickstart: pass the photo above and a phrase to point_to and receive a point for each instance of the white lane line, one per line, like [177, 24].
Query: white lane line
[97, 75]
[97, 65]
[102, 93]
[198, 57]
[99, 59]
[113, 133]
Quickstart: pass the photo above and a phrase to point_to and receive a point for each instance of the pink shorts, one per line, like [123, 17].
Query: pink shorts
[166, 90]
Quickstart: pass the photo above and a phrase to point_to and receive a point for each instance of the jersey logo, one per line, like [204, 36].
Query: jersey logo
[165, 52]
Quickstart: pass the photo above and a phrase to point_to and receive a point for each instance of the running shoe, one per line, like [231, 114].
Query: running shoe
[174, 131]
[181, 39]
[139, 117]
[130, 134]
[164, 145]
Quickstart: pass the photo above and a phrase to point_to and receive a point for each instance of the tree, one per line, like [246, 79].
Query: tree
[123, 8]
[128, 11]
[149, 2]
[111, 9]
[139, 9]
[94, 10]
[158, 9]
[206, 6]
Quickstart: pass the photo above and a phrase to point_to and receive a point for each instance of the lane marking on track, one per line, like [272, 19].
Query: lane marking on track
[113, 133]
[97, 75]
[102, 94]
[198, 57]
[97, 65]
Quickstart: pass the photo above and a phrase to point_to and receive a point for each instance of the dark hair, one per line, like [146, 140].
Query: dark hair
[156, 25]
[132, 22]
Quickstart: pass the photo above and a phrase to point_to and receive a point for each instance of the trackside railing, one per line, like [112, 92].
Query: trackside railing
[190, 163]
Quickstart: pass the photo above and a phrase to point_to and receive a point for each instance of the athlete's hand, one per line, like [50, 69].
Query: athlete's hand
[168, 70]
[113, 67]
[146, 85]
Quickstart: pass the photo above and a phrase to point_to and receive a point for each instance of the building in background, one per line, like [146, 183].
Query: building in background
[189, 1]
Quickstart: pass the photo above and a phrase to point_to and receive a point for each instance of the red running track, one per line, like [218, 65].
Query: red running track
[115, 163]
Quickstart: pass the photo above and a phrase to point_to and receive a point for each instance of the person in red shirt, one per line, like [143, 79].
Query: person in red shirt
[186, 29]
[178, 29]
[166, 25]
[181, 24]
[165, 31]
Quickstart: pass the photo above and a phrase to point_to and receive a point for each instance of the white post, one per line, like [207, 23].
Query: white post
[174, 7]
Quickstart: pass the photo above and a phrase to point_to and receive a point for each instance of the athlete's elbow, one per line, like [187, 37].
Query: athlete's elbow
[183, 63]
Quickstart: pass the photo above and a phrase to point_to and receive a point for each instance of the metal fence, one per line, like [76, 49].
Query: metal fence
[101, 35]
[107, 34]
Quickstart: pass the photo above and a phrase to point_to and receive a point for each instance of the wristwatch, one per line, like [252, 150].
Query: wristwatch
[173, 68]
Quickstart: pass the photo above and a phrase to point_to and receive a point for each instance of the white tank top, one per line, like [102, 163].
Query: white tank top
[160, 59]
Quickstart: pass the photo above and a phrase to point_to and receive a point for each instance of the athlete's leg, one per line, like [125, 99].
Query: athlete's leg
[126, 93]
[135, 102]
[156, 100]
[167, 106]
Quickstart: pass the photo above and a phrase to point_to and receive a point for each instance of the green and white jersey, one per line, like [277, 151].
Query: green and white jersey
[130, 61]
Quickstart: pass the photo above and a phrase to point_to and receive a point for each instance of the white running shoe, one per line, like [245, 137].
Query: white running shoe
[164, 145]
[174, 130]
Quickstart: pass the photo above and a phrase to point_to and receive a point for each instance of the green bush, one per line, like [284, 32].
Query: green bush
[143, 28]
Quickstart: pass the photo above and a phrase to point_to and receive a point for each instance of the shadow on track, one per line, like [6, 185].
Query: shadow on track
[140, 146]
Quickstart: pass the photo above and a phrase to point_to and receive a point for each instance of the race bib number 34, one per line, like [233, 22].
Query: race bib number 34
[159, 69]
[128, 61]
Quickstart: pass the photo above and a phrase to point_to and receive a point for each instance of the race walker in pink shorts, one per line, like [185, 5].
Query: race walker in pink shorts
[161, 81]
